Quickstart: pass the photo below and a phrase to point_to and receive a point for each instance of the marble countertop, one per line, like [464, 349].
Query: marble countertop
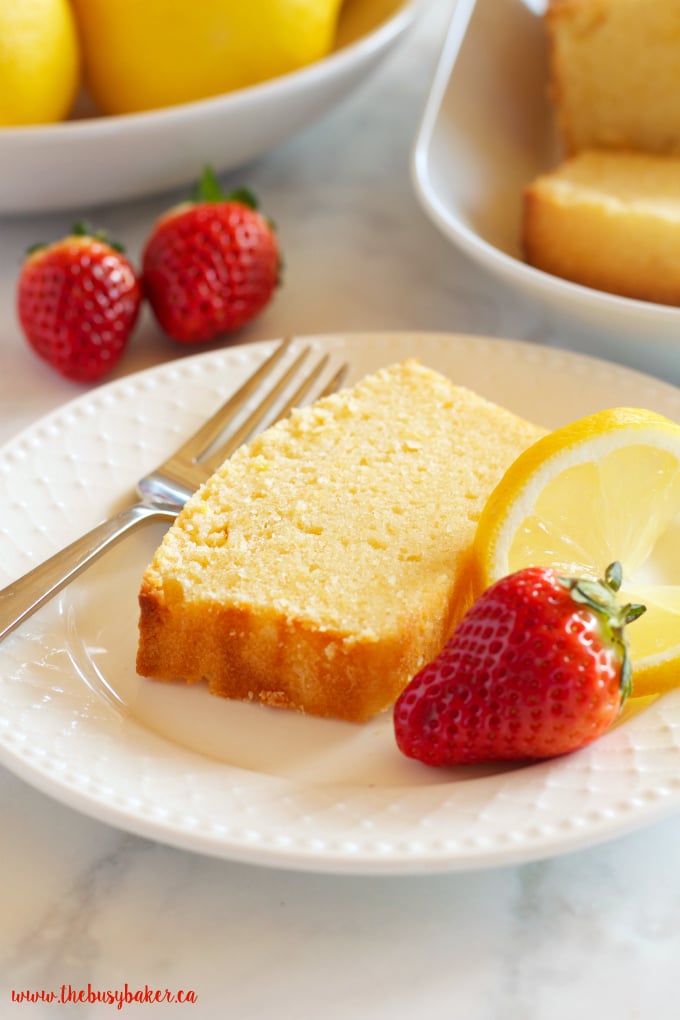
[593, 933]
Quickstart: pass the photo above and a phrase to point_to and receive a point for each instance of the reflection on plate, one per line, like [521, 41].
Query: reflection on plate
[53, 167]
[487, 129]
[255, 784]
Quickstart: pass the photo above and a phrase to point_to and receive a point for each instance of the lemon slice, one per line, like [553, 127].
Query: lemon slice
[604, 488]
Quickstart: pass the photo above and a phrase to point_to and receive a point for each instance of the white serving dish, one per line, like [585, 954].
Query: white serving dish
[94, 160]
[486, 130]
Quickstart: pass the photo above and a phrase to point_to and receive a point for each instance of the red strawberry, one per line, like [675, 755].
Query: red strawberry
[78, 301]
[210, 265]
[537, 667]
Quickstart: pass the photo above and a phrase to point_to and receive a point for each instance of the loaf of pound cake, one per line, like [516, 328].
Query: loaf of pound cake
[608, 220]
[615, 73]
[324, 563]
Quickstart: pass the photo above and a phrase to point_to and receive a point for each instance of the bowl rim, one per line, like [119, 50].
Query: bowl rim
[356, 50]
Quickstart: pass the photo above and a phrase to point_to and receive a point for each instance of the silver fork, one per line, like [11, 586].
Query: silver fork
[164, 491]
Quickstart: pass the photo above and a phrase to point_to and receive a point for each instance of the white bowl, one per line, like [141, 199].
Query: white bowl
[486, 131]
[93, 160]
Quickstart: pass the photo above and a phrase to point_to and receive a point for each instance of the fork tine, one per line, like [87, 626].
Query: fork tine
[307, 383]
[249, 427]
[214, 426]
[335, 382]
[303, 388]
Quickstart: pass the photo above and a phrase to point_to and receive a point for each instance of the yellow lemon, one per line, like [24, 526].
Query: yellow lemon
[39, 61]
[604, 488]
[145, 54]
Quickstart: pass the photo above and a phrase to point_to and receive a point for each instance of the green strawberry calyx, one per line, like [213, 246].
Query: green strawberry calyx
[81, 228]
[209, 189]
[601, 597]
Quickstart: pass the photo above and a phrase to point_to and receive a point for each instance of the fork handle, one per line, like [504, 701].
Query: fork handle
[23, 597]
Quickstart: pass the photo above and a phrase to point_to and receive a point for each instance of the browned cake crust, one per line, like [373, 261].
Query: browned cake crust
[324, 563]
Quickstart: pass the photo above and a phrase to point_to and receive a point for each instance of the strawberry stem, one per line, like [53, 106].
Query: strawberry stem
[209, 189]
[81, 228]
[243, 195]
[600, 597]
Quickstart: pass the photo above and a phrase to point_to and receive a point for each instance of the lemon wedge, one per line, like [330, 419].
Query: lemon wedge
[604, 488]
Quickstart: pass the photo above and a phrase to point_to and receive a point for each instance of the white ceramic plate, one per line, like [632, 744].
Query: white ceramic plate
[263, 785]
[486, 131]
[84, 162]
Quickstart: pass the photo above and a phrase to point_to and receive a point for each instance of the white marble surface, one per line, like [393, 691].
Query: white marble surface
[595, 933]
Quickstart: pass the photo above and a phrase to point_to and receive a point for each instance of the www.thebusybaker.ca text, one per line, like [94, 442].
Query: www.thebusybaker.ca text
[117, 997]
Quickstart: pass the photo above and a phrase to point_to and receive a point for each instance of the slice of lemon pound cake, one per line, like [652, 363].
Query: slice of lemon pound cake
[615, 73]
[324, 563]
[608, 220]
